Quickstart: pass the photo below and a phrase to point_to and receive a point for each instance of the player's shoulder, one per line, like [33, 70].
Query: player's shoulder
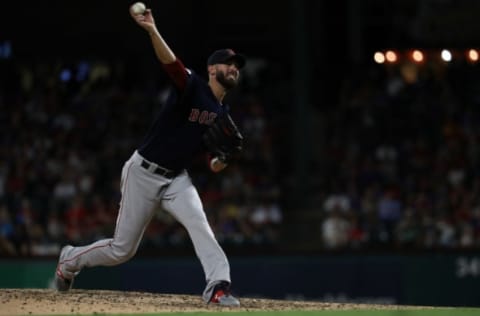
[194, 79]
[195, 83]
[191, 74]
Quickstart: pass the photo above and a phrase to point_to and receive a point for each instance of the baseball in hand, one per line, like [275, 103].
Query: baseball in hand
[216, 165]
[138, 8]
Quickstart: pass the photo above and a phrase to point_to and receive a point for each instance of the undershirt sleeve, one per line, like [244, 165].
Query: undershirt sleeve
[178, 73]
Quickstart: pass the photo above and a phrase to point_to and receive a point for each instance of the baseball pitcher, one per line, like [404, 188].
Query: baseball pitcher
[193, 120]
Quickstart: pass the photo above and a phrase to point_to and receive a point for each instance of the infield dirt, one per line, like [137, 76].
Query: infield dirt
[15, 302]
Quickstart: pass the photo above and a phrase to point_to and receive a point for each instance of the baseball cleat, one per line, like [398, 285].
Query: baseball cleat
[221, 295]
[61, 283]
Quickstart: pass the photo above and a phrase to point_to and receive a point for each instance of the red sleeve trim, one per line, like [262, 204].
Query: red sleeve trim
[177, 73]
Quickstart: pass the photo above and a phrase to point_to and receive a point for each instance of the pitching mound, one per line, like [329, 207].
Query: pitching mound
[49, 302]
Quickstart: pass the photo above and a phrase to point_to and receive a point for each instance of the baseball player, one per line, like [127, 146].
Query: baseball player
[193, 120]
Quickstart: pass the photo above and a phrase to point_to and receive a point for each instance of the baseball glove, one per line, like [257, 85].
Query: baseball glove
[223, 139]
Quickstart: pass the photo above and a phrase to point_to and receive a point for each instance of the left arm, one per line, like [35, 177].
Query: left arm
[223, 141]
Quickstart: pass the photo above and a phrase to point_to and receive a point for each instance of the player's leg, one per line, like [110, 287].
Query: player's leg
[140, 194]
[182, 201]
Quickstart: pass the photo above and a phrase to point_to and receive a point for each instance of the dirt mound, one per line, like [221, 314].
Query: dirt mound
[49, 302]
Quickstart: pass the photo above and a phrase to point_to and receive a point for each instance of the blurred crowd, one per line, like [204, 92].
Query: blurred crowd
[397, 169]
[402, 159]
[67, 129]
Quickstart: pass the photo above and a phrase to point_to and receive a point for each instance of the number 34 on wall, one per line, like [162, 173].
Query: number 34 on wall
[467, 267]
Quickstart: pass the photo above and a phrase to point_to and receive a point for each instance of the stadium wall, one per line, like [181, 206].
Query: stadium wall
[440, 280]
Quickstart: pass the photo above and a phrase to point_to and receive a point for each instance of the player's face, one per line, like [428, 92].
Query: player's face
[227, 75]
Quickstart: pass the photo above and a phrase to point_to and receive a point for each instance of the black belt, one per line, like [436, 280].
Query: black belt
[160, 170]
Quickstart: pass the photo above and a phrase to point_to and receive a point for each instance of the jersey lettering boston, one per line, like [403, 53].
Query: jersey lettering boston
[203, 118]
[176, 134]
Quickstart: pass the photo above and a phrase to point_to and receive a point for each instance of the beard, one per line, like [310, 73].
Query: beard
[227, 84]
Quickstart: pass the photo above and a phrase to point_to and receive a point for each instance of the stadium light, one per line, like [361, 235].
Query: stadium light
[391, 56]
[446, 55]
[417, 56]
[472, 55]
[379, 57]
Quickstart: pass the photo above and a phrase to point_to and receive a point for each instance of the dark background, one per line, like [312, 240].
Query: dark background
[311, 48]
[337, 34]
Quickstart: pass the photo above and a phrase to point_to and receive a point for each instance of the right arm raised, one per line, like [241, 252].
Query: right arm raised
[162, 50]
[172, 65]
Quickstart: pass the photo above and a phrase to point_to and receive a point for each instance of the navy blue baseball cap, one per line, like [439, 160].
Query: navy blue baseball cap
[226, 55]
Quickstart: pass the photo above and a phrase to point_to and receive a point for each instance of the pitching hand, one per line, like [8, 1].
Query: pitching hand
[145, 20]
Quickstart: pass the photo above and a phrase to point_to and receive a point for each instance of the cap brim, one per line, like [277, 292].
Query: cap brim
[239, 59]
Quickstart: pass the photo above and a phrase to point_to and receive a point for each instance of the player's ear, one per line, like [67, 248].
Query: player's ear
[211, 70]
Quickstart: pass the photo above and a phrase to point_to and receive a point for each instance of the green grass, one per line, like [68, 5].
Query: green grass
[423, 312]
